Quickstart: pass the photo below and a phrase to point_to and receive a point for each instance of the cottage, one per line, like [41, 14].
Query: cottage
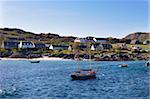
[97, 47]
[70, 48]
[9, 44]
[47, 45]
[58, 47]
[146, 42]
[79, 47]
[85, 40]
[100, 47]
[107, 46]
[91, 39]
[40, 45]
[26, 44]
[77, 40]
[50, 47]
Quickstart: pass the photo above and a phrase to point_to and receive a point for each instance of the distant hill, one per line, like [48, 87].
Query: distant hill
[18, 34]
[138, 36]
[13, 33]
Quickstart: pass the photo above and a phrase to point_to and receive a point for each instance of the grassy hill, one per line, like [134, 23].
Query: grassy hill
[141, 36]
[18, 34]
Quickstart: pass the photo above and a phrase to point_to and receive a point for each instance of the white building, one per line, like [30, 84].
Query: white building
[51, 47]
[26, 44]
[58, 47]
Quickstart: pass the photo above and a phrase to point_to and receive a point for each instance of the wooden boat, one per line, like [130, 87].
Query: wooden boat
[147, 63]
[35, 61]
[123, 65]
[83, 74]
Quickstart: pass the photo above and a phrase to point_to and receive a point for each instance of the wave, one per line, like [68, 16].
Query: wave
[4, 93]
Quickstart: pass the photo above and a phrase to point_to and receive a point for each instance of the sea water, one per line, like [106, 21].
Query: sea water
[20, 79]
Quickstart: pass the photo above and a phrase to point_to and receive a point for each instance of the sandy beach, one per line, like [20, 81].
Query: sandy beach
[42, 58]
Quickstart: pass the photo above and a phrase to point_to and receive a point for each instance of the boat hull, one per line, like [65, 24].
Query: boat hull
[34, 61]
[83, 75]
[75, 77]
[147, 63]
[123, 65]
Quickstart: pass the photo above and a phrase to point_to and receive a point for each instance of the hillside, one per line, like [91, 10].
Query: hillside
[138, 36]
[18, 34]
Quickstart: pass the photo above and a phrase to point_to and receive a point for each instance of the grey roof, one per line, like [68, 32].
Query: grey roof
[10, 44]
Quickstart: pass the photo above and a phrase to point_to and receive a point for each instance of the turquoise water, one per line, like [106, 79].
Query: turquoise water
[51, 80]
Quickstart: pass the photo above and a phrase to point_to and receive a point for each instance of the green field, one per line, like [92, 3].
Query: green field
[147, 47]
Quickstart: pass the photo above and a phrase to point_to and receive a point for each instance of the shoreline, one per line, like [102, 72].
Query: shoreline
[59, 59]
[43, 58]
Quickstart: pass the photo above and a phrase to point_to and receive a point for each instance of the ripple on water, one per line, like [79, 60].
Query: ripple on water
[51, 79]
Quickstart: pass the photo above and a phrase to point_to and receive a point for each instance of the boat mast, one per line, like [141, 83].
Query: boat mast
[76, 56]
[90, 56]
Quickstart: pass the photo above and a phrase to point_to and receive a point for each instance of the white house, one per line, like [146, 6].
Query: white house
[70, 48]
[77, 40]
[100, 47]
[146, 42]
[26, 44]
[92, 47]
[9, 44]
[51, 47]
[85, 40]
[58, 47]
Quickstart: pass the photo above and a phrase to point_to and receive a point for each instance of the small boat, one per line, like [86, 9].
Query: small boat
[35, 61]
[83, 74]
[147, 63]
[123, 65]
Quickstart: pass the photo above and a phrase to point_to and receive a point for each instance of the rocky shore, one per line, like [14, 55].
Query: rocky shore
[97, 57]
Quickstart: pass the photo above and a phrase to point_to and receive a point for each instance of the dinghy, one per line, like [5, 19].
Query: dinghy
[123, 65]
[35, 61]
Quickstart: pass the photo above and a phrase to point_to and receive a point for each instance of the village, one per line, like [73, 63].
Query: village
[102, 49]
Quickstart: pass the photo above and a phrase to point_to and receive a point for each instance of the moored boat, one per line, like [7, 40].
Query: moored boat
[123, 65]
[147, 63]
[83, 74]
[35, 61]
